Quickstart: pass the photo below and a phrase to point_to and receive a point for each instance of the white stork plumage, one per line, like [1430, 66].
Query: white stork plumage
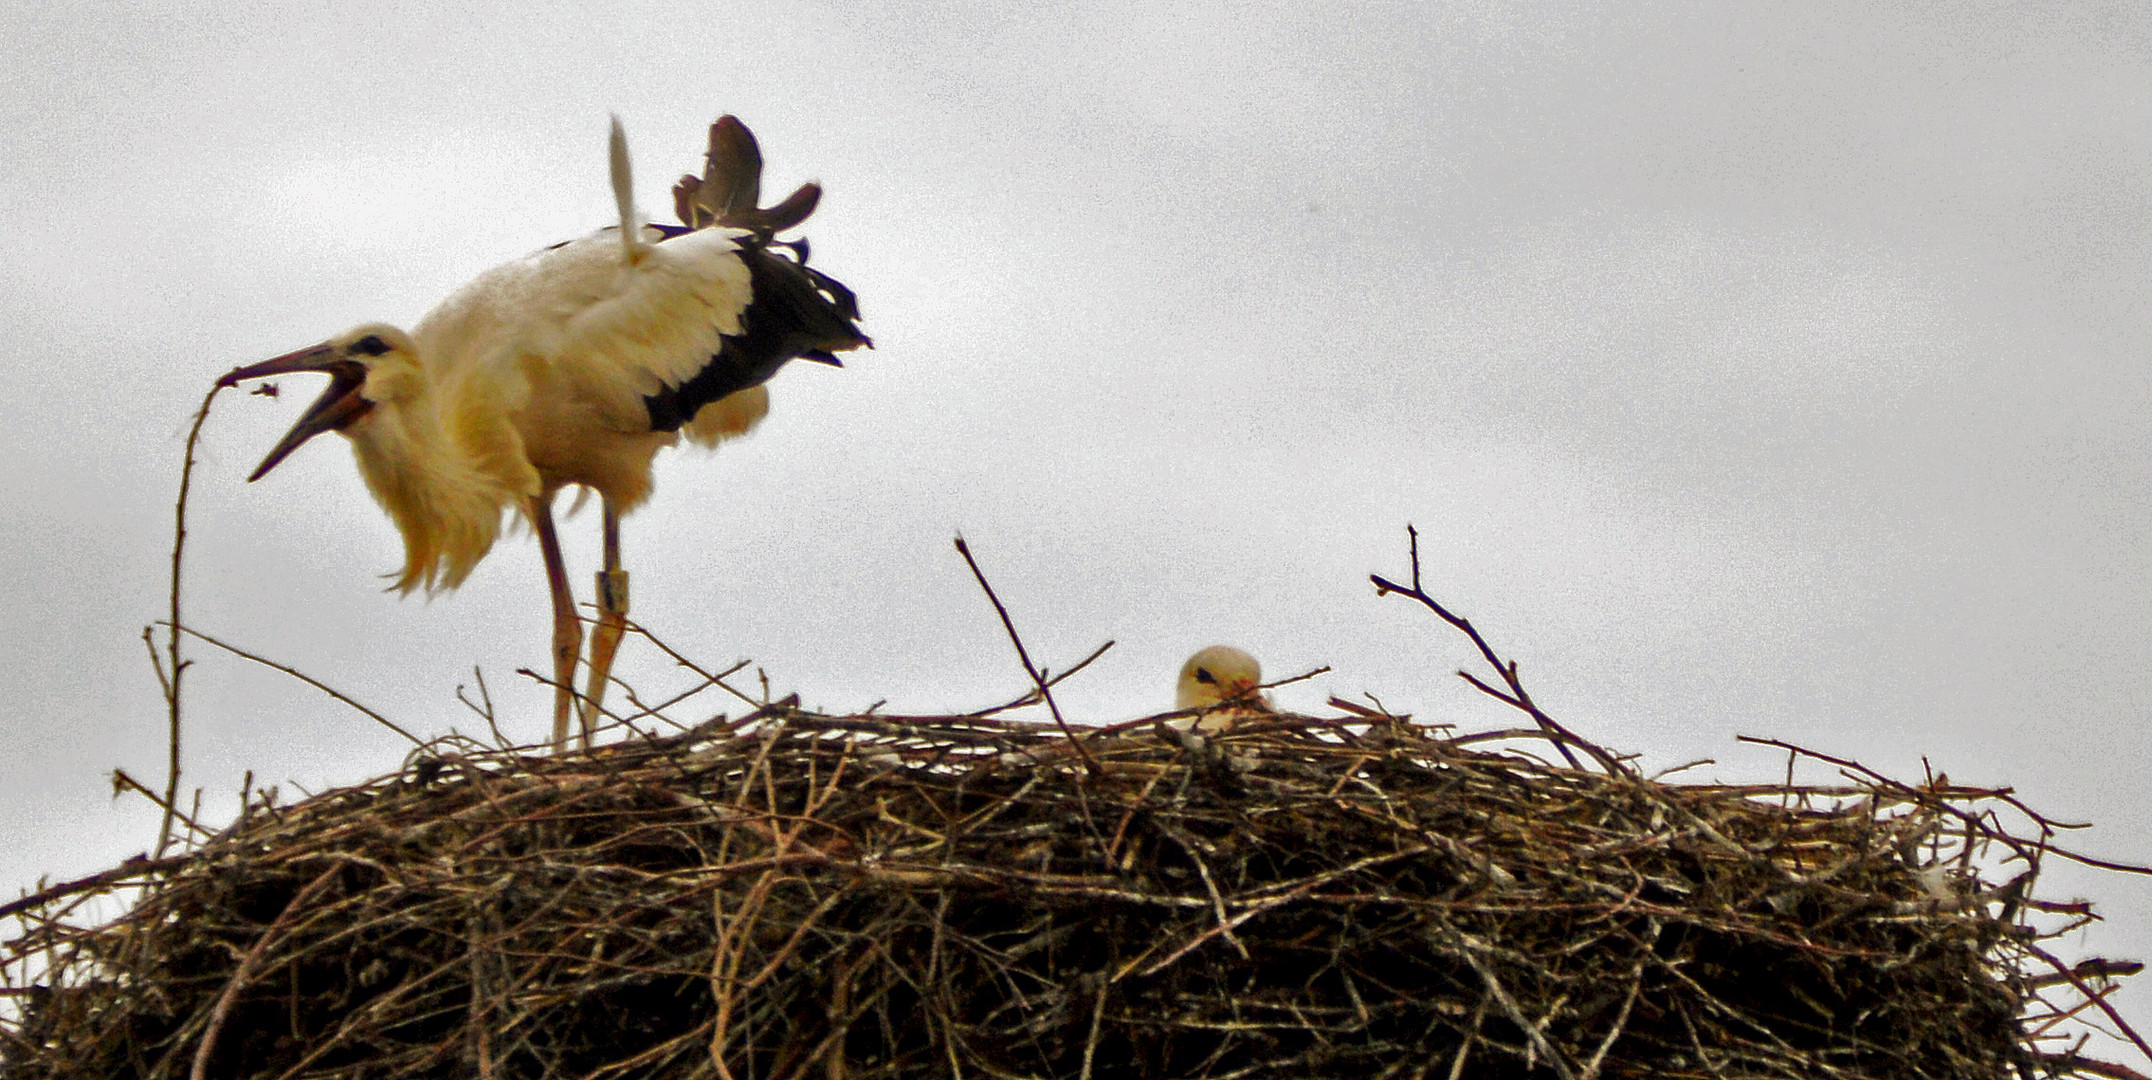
[575, 365]
[1221, 681]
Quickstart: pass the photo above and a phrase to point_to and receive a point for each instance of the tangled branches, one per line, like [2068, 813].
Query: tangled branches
[791, 895]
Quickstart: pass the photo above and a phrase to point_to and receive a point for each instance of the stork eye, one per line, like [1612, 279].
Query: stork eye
[370, 345]
[1203, 675]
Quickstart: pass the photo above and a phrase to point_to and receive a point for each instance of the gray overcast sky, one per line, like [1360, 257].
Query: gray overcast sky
[1748, 368]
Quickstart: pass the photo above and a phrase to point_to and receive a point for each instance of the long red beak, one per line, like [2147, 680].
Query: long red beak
[336, 408]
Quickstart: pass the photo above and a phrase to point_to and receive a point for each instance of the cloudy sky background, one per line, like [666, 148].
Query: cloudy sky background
[1767, 369]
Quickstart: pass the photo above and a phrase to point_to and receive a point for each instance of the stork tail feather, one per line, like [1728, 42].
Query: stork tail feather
[632, 244]
[794, 311]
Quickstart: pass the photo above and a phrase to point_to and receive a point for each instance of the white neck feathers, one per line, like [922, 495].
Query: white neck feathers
[444, 473]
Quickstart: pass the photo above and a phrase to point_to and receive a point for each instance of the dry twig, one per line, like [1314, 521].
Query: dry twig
[1038, 676]
[170, 672]
[1516, 698]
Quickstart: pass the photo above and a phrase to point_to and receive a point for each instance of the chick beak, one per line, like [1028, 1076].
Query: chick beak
[335, 409]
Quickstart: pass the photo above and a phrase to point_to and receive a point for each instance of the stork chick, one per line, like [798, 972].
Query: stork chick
[1221, 681]
[575, 365]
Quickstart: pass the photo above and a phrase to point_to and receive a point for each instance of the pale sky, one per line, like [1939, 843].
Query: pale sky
[1771, 369]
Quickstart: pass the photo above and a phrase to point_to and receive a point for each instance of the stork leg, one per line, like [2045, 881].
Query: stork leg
[567, 628]
[612, 622]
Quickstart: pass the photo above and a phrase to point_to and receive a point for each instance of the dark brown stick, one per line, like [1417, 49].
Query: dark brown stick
[2065, 1064]
[177, 666]
[1032, 694]
[2096, 998]
[1940, 800]
[717, 680]
[1038, 678]
[1516, 698]
[307, 679]
[239, 978]
[123, 782]
[135, 866]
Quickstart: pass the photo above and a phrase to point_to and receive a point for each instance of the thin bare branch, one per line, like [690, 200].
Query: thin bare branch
[170, 673]
[307, 679]
[1517, 698]
[1038, 677]
[123, 782]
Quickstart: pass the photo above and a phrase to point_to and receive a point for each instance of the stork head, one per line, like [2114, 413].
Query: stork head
[1218, 674]
[359, 363]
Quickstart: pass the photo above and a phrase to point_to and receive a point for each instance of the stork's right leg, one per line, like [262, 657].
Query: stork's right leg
[567, 628]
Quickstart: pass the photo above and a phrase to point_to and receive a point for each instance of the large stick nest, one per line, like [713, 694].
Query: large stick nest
[795, 895]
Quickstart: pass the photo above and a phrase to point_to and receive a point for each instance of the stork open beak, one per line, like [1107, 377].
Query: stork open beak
[337, 406]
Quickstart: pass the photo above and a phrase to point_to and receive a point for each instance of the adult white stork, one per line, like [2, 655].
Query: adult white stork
[575, 365]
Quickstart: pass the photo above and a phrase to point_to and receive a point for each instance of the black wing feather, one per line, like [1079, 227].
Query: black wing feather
[795, 311]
